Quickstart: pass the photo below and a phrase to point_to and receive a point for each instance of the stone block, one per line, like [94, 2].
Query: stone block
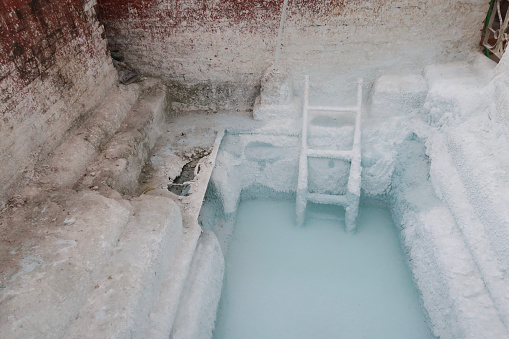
[395, 95]
[276, 88]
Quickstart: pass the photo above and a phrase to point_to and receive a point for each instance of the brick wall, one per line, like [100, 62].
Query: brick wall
[227, 44]
[53, 67]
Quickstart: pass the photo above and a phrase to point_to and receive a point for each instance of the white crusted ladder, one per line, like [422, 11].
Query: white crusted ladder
[350, 200]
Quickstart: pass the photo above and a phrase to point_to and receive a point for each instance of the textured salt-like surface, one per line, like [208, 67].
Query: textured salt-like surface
[283, 281]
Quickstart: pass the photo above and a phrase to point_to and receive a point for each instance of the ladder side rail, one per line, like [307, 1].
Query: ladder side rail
[354, 185]
[354, 180]
[302, 184]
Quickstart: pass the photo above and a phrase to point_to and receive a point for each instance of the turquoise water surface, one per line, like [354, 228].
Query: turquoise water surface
[316, 281]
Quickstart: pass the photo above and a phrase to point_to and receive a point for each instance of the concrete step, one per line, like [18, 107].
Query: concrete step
[480, 152]
[397, 95]
[64, 249]
[71, 158]
[165, 310]
[120, 303]
[452, 287]
[478, 205]
[442, 105]
[94, 247]
[120, 164]
[452, 284]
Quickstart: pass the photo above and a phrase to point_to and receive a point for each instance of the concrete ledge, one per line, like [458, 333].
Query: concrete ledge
[67, 165]
[121, 163]
[165, 310]
[197, 311]
[452, 286]
[479, 204]
[397, 95]
[119, 305]
[60, 264]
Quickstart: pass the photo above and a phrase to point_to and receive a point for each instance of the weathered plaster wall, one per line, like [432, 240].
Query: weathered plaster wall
[54, 66]
[231, 42]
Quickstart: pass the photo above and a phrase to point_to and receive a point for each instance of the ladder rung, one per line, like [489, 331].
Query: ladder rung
[330, 154]
[352, 109]
[328, 199]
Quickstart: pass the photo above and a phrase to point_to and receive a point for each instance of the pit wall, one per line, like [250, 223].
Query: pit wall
[433, 152]
[396, 175]
[264, 163]
[399, 179]
[214, 52]
[54, 67]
